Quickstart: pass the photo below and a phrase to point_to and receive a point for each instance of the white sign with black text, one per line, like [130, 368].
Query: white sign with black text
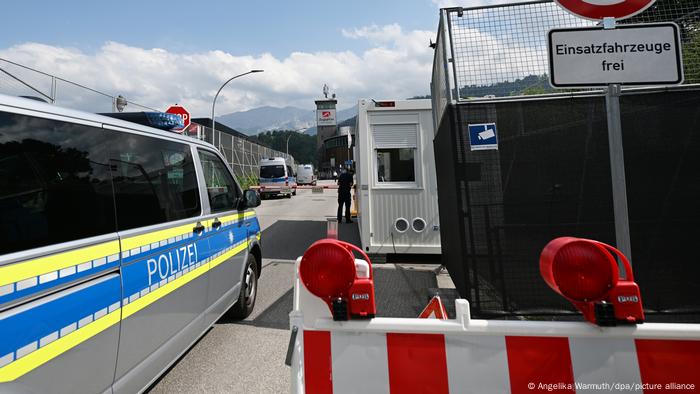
[648, 54]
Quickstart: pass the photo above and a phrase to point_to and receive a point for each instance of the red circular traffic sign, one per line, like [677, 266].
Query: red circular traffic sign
[599, 9]
[182, 112]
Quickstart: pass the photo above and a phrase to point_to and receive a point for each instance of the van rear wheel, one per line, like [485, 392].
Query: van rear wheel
[249, 290]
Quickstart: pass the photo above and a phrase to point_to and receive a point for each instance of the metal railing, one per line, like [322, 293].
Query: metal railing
[20, 80]
[242, 154]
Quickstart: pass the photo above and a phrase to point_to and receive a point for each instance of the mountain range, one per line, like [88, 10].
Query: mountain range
[266, 118]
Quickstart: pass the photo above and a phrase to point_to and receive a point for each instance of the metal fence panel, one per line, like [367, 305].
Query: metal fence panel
[243, 155]
[502, 50]
[551, 175]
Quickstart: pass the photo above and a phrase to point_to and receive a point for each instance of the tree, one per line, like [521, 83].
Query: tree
[301, 146]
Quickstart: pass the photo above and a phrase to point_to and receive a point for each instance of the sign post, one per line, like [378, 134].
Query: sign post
[645, 54]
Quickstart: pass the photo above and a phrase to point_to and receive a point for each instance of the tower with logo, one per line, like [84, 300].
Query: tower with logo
[326, 123]
[326, 128]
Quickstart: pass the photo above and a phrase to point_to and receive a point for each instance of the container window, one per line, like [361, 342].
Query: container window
[396, 165]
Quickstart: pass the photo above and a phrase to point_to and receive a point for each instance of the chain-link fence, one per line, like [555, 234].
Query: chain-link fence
[498, 51]
[242, 154]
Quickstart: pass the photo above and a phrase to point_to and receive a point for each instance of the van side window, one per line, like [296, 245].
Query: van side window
[267, 172]
[55, 183]
[154, 181]
[221, 188]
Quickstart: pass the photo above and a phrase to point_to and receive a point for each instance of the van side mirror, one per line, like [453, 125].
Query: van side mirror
[251, 199]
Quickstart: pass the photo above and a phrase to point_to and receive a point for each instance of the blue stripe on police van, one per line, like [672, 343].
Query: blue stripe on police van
[156, 267]
[35, 326]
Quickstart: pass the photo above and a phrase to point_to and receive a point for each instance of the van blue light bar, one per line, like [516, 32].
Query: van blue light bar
[164, 120]
[158, 120]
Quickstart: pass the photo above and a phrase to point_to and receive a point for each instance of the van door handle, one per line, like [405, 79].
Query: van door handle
[198, 228]
[216, 223]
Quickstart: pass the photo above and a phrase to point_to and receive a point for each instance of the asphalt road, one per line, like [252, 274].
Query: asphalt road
[248, 356]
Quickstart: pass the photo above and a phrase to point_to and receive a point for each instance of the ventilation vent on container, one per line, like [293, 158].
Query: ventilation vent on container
[401, 225]
[418, 225]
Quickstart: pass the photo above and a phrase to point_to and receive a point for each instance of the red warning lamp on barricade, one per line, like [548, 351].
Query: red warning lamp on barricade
[330, 271]
[586, 273]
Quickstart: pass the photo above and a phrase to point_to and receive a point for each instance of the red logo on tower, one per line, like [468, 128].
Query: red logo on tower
[599, 9]
[326, 114]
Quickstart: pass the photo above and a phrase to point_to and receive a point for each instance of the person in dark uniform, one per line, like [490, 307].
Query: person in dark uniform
[345, 182]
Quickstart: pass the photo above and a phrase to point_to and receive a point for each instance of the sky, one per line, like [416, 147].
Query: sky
[157, 53]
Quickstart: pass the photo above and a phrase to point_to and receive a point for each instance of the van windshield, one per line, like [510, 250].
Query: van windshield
[271, 171]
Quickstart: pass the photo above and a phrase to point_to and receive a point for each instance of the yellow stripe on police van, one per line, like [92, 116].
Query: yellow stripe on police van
[157, 236]
[31, 268]
[54, 349]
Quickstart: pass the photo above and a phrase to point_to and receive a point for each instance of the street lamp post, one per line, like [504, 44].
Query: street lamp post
[290, 136]
[213, 105]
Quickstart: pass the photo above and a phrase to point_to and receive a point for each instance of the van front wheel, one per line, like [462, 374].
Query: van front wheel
[249, 290]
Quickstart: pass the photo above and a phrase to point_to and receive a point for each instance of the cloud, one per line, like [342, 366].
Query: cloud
[470, 3]
[397, 65]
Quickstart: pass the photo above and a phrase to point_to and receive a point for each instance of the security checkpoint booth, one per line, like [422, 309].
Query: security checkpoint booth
[395, 170]
[333, 350]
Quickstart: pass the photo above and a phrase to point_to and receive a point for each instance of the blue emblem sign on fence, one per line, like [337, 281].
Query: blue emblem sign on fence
[483, 136]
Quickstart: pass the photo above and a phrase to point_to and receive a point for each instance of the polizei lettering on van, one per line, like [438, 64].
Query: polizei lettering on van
[171, 262]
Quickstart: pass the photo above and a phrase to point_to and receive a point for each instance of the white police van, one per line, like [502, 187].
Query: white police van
[120, 245]
[305, 175]
[277, 178]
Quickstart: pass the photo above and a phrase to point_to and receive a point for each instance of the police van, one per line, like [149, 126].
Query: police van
[120, 245]
[277, 178]
[306, 175]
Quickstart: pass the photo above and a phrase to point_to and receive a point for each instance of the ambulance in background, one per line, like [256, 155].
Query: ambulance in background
[305, 175]
[277, 178]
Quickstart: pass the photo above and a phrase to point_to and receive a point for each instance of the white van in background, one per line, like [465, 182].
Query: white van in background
[277, 178]
[305, 175]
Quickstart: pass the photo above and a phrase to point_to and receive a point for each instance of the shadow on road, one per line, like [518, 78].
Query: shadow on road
[289, 239]
[399, 292]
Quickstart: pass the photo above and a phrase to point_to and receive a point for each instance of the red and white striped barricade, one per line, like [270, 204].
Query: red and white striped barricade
[464, 355]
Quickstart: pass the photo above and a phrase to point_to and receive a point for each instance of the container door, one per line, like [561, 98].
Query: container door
[228, 237]
[164, 255]
[60, 283]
